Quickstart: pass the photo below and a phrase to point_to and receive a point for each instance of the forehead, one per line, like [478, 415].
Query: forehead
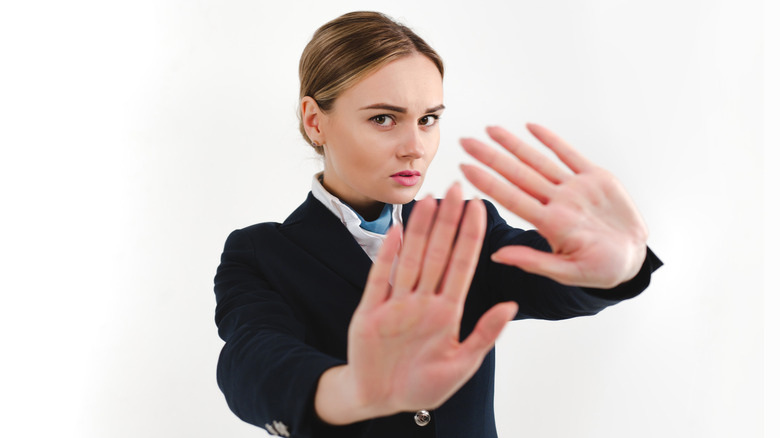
[412, 82]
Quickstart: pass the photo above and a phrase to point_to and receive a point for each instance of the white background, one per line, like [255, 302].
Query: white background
[135, 136]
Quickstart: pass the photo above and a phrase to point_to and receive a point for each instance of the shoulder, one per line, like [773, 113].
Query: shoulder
[251, 237]
[259, 229]
[268, 229]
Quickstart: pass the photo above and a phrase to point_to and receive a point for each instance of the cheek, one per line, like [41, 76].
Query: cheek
[433, 146]
[375, 147]
[363, 152]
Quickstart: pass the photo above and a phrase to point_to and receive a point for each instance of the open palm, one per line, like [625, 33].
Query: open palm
[595, 231]
[403, 351]
[403, 340]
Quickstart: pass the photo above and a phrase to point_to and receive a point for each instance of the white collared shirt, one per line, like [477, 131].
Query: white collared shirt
[369, 241]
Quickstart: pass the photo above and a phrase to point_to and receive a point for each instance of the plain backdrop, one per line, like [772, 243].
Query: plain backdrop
[137, 135]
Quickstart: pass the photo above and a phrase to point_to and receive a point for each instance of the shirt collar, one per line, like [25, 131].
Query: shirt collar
[345, 213]
[370, 241]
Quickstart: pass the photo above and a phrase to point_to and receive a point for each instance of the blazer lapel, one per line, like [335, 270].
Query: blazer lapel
[319, 232]
[407, 208]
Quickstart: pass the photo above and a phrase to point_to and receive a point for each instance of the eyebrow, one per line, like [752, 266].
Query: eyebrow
[398, 109]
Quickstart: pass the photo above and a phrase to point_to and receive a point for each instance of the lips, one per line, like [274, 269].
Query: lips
[406, 178]
[407, 173]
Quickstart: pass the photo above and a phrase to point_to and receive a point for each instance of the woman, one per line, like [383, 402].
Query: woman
[316, 345]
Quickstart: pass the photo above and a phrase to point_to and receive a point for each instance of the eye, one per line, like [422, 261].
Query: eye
[428, 120]
[384, 120]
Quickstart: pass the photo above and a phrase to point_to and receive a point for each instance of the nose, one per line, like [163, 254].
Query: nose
[412, 146]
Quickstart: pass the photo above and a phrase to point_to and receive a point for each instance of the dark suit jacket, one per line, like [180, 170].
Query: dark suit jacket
[286, 293]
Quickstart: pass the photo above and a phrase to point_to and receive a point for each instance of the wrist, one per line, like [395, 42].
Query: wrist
[635, 262]
[338, 399]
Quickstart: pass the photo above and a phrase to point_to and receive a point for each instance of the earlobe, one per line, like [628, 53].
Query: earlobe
[311, 116]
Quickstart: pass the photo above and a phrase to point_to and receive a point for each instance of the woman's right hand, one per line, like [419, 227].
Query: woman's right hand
[403, 351]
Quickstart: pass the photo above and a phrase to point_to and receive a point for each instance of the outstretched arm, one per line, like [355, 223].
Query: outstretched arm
[597, 236]
[404, 352]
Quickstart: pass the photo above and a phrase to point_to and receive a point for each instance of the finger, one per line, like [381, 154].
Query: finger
[570, 157]
[485, 333]
[378, 284]
[465, 255]
[542, 263]
[528, 154]
[516, 172]
[514, 199]
[440, 241]
[413, 248]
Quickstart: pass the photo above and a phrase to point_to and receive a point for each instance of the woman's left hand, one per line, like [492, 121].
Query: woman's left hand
[597, 236]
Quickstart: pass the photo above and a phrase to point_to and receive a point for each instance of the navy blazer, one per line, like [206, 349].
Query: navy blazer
[285, 296]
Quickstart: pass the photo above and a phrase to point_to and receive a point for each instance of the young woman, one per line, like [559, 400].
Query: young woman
[337, 325]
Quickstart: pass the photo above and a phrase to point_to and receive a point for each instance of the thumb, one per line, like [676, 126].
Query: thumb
[489, 326]
[537, 262]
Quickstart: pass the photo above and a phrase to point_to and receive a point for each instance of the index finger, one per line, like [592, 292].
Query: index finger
[440, 240]
[570, 157]
[465, 255]
[528, 154]
[378, 284]
[511, 197]
[410, 260]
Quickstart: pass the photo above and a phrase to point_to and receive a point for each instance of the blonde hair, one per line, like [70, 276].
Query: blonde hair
[349, 48]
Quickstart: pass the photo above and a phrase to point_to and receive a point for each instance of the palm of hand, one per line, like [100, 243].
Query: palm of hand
[403, 348]
[407, 349]
[591, 225]
[595, 231]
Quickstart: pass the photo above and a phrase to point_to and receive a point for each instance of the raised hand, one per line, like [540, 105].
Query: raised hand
[403, 351]
[597, 236]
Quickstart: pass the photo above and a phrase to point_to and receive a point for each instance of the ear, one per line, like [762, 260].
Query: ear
[312, 118]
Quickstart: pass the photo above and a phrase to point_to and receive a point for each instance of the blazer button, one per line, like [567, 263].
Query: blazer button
[277, 429]
[422, 418]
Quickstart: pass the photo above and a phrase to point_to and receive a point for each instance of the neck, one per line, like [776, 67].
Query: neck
[369, 209]
[371, 212]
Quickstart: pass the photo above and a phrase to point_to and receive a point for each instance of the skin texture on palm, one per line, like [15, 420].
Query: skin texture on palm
[597, 235]
[403, 352]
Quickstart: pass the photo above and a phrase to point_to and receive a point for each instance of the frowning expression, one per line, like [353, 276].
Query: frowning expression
[382, 133]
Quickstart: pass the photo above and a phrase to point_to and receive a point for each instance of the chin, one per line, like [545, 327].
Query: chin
[403, 197]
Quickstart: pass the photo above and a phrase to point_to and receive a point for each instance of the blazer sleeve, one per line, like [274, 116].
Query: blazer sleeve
[265, 370]
[539, 297]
